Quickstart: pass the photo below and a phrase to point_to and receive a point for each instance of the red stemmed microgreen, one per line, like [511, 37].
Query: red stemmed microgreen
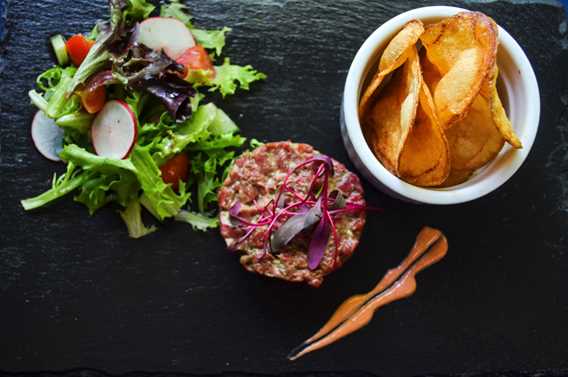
[297, 212]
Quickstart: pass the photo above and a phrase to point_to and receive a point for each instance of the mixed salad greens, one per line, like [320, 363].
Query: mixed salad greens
[124, 109]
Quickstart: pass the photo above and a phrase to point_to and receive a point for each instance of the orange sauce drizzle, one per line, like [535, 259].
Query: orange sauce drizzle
[355, 312]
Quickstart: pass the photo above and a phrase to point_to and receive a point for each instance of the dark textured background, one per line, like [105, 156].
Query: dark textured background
[75, 291]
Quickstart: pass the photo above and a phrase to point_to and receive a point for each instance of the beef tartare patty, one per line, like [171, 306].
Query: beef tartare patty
[253, 183]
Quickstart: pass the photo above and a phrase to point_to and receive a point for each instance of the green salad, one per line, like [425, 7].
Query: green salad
[126, 110]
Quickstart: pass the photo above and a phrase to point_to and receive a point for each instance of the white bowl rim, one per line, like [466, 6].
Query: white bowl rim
[457, 194]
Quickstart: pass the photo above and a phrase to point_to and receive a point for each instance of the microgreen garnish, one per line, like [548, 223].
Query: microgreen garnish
[297, 212]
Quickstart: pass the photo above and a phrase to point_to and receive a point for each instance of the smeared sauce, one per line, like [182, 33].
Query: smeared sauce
[355, 312]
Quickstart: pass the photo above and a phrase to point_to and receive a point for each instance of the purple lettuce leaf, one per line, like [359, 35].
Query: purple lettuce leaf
[174, 93]
[99, 79]
[138, 63]
[142, 68]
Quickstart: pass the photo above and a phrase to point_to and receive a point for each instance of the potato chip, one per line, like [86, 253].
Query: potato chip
[489, 91]
[474, 140]
[430, 73]
[456, 89]
[394, 55]
[456, 177]
[389, 121]
[463, 48]
[424, 160]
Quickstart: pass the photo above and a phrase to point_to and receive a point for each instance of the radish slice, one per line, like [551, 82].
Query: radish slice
[168, 34]
[47, 136]
[115, 130]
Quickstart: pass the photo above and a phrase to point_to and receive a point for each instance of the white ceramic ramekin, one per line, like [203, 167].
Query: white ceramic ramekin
[519, 91]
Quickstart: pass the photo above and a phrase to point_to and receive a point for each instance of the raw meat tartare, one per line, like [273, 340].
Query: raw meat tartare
[289, 195]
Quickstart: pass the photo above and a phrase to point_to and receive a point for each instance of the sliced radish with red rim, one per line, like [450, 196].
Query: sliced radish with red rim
[115, 130]
[164, 33]
[47, 136]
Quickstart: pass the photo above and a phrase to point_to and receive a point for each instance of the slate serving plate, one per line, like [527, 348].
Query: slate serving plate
[76, 292]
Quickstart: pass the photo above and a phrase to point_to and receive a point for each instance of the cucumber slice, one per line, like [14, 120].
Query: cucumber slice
[59, 48]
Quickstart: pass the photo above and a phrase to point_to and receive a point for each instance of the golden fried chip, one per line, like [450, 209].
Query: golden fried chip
[456, 177]
[388, 123]
[489, 91]
[424, 160]
[430, 73]
[463, 48]
[394, 55]
[474, 140]
[456, 89]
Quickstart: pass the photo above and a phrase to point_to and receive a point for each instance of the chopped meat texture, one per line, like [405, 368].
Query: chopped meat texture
[253, 183]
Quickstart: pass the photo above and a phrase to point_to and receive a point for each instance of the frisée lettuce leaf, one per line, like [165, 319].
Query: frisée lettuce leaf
[137, 10]
[198, 221]
[211, 39]
[229, 77]
[177, 9]
[68, 182]
[132, 217]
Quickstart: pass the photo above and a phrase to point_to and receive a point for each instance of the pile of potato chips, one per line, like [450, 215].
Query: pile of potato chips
[432, 114]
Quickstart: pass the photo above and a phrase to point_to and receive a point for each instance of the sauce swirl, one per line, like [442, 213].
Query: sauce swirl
[398, 283]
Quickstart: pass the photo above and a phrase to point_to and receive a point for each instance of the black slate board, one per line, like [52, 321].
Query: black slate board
[76, 292]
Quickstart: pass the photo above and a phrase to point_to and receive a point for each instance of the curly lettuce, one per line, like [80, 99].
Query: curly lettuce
[229, 77]
[132, 217]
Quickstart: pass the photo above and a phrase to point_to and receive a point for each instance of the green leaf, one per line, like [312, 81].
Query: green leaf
[110, 179]
[222, 124]
[195, 101]
[198, 221]
[77, 137]
[191, 131]
[178, 10]
[125, 189]
[91, 162]
[94, 33]
[58, 103]
[51, 77]
[132, 217]
[206, 190]
[65, 184]
[229, 77]
[79, 121]
[158, 196]
[100, 189]
[38, 100]
[208, 128]
[93, 192]
[137, 10]
[219, 142]
[255, 143]
[208, 168]
[136, 101]
[211, 39]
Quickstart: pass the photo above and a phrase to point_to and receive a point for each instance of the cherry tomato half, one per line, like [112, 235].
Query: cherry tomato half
[175, 169]
[78, 47]
[196, 58]
[93, 100]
